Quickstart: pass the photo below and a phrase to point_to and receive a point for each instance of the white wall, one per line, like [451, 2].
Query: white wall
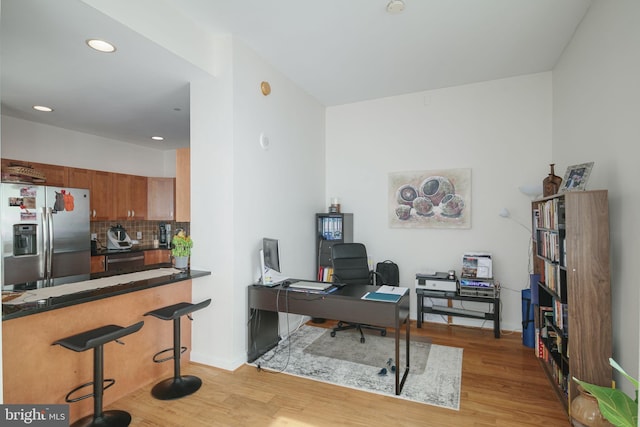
[25, 140]
[595, 118]
[500, 129]
[242, 193]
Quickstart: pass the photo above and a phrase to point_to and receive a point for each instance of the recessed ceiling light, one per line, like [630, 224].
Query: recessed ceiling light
[395, 6]
[43, 108]
[101, 45]
[157, 138]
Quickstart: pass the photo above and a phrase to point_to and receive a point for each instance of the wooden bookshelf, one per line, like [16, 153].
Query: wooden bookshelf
[573, 295]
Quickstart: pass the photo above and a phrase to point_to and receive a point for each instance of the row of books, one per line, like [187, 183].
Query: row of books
[331, 228]
[561, 315]
[555, 369]
[550, 214]
[556, 317]
[549, 245]
[552, 278]
[325, 274]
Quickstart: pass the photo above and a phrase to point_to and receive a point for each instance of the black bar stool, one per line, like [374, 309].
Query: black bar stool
[96, 339]
[180, 385]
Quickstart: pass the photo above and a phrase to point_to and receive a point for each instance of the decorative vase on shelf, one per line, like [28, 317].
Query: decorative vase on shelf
[585, 411]
[181, 262]
[551, 183]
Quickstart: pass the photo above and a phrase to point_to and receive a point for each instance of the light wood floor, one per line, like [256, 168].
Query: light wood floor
[502, 385]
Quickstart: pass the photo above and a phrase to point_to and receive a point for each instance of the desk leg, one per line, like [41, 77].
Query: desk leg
[419, 307]
[263, 333]
[400, 383]
[496, 317]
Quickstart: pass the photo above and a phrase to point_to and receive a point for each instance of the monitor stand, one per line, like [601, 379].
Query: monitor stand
[271, 278]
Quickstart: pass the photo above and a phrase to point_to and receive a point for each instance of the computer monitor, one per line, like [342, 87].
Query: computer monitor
[270, 262]
[271, 250]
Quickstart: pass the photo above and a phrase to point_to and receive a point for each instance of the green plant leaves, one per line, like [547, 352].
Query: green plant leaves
[618, 408]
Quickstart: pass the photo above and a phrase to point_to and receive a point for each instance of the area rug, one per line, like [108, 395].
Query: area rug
[434, 377]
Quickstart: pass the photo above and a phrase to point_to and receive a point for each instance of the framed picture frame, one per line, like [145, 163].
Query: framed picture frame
[576, 177]
[439, 198]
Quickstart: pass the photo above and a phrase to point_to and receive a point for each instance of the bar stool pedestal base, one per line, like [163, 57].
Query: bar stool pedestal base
[113, 418]
[175, 388]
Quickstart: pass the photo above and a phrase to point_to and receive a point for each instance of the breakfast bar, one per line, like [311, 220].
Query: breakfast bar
[37, 372]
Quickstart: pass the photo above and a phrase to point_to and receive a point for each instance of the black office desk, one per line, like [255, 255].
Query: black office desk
[344, 304]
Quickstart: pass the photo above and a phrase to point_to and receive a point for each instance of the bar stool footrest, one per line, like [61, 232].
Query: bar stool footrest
[114, 418]
[166, 350]
[109, 381]
[175, 388]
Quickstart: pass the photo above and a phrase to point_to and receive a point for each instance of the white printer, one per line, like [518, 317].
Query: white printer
[436, 281]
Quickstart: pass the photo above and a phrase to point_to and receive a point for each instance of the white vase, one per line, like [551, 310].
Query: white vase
[181, 262]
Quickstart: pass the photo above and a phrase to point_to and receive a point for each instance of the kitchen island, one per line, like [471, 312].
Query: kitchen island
[37, 372]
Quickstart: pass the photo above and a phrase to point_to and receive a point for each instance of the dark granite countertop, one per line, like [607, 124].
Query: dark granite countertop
[11, 311]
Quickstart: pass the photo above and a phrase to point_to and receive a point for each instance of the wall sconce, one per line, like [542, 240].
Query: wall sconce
[533, 191]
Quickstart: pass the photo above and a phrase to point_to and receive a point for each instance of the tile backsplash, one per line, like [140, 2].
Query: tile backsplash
[149, 230]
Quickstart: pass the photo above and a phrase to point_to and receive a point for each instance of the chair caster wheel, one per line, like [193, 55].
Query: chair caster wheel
[383, 333]
[333, 334]
[362, 340]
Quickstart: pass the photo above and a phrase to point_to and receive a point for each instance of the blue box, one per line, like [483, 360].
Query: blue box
[528, 335]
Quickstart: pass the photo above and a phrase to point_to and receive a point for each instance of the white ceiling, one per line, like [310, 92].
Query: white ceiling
[338, 51]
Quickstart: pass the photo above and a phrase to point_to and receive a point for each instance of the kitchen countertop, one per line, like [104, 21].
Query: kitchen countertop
[12, 311]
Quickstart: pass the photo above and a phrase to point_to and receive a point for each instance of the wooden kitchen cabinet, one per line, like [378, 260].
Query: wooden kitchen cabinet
[129, 197]
[100, 186]
[183, 185]
[79, 178]
[56, 175]
[161, 199]
[101, 196]
[97, 263]
[157, 256]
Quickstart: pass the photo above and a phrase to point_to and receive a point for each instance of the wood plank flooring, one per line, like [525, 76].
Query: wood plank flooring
[502, 385]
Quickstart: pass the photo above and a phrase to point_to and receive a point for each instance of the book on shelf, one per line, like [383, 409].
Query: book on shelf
[325, 274]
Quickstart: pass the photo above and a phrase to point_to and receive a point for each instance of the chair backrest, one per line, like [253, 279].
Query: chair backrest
[350, 264]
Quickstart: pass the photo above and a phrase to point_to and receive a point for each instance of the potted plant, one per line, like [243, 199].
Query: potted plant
[615, 406]
[181, 245]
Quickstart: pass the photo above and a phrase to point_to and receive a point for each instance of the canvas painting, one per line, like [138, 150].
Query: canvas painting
[430, 199]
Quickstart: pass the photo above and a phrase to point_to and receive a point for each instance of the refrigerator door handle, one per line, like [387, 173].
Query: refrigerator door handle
[44, 258]
[50, 244]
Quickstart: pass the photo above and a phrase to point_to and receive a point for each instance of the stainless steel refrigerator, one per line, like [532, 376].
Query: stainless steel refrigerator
[46, 239]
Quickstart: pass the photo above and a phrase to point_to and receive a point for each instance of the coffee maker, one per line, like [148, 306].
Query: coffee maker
[163, 236]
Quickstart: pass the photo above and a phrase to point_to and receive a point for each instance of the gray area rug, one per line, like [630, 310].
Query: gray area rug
[438, 384]
[375, 351]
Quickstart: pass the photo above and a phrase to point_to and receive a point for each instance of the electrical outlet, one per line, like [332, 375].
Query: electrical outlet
[94, 236]
[138, 235]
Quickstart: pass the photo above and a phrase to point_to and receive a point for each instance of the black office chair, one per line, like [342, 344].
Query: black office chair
[351, 267]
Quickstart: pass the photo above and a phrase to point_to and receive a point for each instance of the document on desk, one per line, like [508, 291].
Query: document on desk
[386, 293]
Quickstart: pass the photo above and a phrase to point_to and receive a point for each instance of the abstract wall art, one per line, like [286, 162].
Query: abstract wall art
[430, 199]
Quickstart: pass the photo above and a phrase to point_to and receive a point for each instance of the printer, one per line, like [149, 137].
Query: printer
[436, 281]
